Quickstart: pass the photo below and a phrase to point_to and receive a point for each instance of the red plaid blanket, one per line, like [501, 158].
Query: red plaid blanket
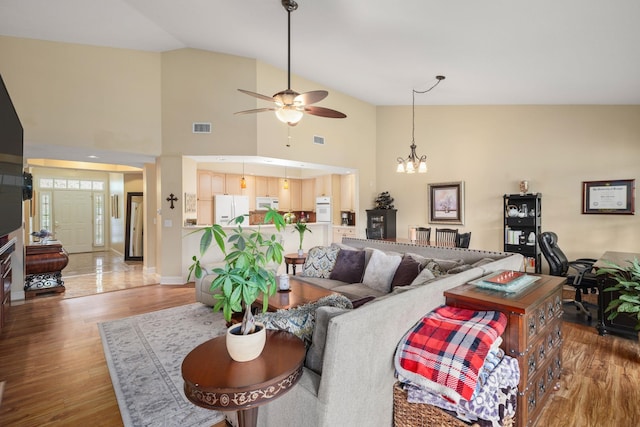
[446, 349]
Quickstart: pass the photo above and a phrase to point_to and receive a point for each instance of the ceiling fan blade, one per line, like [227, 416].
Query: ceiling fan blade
[309, 98]
[256, 110]
[324, 112]
[257, 95]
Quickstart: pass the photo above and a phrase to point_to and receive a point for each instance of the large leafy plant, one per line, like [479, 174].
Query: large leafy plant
[248, 254]
[627, 286]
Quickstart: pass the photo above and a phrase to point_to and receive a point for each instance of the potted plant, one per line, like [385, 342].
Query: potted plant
[301, 227]
[627, 286]
[245, 275]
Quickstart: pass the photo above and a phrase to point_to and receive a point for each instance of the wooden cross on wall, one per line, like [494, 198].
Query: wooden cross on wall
[172, 199]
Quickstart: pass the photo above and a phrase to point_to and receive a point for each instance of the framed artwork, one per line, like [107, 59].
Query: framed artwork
[446, 203]
[609, 197]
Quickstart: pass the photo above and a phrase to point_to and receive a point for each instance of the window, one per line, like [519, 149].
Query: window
[45, 210]
[98, 219]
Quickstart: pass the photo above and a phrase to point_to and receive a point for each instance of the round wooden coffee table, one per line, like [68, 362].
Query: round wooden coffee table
[213, 380]
[293, 260]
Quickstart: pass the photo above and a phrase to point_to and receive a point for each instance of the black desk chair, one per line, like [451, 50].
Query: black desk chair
[463, 240]
[584, 279]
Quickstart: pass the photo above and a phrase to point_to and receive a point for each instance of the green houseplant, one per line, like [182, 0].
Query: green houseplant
[246, 273]
[301, 227]
[627, 285]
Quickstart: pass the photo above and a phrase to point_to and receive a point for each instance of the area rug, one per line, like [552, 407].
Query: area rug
[145, 353]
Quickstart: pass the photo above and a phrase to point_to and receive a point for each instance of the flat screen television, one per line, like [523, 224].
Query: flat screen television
[11, 164]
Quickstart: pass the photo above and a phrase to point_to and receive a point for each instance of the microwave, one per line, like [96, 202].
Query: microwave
[266, 203]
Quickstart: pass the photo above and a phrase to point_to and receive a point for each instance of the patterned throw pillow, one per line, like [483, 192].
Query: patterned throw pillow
[320, 261]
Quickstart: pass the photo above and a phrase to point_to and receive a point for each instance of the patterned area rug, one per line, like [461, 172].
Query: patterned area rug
[145, 353]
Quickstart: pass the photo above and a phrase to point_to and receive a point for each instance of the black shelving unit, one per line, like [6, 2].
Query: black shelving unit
[522, 225]
[384, 219]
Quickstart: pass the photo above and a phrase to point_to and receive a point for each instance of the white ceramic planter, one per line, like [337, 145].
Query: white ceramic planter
[243, 348]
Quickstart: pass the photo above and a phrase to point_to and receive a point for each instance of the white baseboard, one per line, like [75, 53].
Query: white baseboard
[171, 280]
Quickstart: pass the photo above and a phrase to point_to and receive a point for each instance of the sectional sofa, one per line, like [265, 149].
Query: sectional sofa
[349, 375]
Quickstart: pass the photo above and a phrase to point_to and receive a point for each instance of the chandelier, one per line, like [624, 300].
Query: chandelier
[414, 162]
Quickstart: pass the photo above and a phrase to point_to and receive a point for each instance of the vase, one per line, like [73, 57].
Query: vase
[300, 252]
[243, 348]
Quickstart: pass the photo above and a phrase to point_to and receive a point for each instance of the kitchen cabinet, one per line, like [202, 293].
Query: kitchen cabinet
[347, 191]
[232, 184]
[323, 186]
[267, 186]
[284, 195]
[340, 232]
[308, 195]
[295, 192]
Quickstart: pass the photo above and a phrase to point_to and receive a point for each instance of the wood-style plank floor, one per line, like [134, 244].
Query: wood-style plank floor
[55, 373]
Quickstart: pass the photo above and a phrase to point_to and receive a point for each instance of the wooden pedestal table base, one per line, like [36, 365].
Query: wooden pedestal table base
[213, 380]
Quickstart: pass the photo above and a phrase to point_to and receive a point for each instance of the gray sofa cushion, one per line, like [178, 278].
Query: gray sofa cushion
[424, 276]
[356, 291]
[315, 354]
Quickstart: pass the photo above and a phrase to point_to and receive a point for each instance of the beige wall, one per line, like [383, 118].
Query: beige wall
[492, 148]
[75, 95]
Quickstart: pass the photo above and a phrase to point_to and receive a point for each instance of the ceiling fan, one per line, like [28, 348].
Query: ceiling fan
[290, 105]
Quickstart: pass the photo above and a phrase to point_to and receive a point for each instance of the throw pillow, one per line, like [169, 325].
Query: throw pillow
[349, 266]
[320, 261]
[408, 270]
[380, 271]
[315, 355]
[424, 276]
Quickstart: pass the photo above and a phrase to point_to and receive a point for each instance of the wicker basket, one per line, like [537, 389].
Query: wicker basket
[407, 414]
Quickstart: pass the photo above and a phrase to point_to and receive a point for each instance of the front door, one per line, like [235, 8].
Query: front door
[73, 220]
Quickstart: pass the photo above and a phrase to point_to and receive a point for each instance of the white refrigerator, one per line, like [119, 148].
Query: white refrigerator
[227, 207]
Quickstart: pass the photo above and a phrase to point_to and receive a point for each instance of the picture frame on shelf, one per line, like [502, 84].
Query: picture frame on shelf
[609, 197]
[446, 203]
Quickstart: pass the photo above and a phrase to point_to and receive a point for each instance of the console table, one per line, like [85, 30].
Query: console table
[533, 336]
[213, 380]
[624, 324]
[43, 268]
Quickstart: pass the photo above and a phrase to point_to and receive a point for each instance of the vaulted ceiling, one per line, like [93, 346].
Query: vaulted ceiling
[492, 51]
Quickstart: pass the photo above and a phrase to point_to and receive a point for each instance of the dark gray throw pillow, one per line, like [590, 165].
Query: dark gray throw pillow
[349, 266]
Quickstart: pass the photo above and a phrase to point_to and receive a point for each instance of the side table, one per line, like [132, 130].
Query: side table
[293, 260]
[213, 380]
[43, 267]
[533, 336]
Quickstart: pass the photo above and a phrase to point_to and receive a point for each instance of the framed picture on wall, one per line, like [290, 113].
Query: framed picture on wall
[609, 197]
[446, 203]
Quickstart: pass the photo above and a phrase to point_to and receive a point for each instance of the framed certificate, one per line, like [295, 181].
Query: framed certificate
[609, 197]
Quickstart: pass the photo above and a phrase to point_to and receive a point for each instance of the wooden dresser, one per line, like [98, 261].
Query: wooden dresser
[533, 336]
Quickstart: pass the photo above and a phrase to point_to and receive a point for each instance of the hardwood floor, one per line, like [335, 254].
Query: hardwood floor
[52, 361]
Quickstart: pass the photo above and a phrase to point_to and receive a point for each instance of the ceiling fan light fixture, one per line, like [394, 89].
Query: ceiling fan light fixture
[288, 114]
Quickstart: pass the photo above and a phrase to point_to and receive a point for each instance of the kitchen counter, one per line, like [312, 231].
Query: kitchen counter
[320, 235]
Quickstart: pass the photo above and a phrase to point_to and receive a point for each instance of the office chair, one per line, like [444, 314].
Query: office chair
[423, 234]
[446, 236]
[374, 233]
[463, 240]
[582, 282]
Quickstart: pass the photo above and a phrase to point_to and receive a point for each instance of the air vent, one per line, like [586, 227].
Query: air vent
[318, 139]
[202, 128]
